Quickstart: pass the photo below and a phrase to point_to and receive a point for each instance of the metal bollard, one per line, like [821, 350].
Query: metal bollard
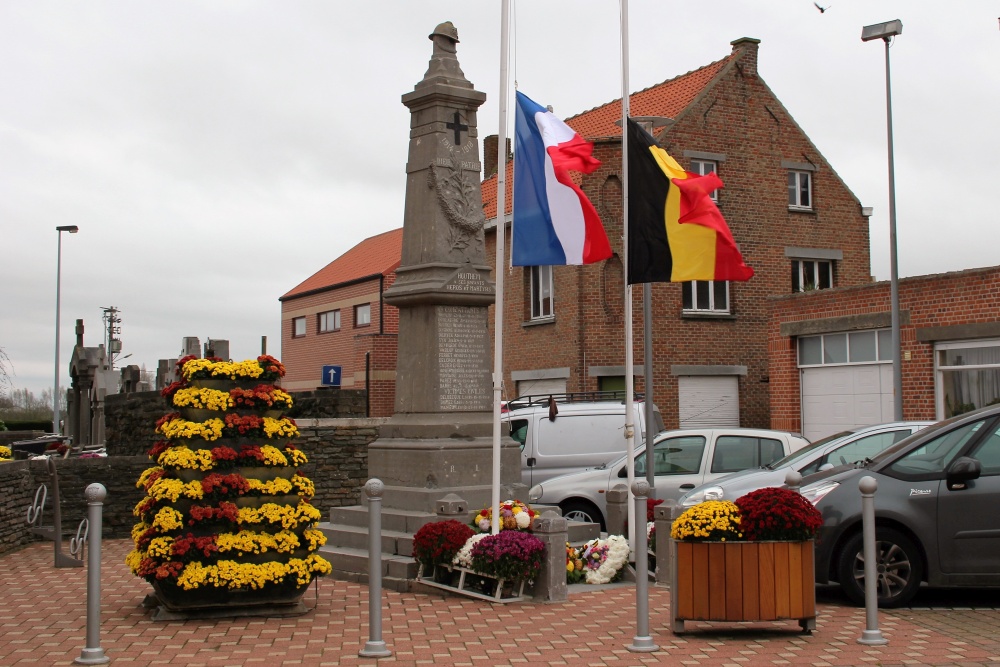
[93, 654]
[374, 647]
[871, 636]
[642, 642]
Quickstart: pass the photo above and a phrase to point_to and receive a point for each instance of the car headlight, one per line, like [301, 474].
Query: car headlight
[535, 493]
[708, 493]
[816, 492]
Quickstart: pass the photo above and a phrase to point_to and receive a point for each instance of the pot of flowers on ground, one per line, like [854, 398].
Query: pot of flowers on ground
[748, 560]
[5, 453]
[227, 522]
[482, 565]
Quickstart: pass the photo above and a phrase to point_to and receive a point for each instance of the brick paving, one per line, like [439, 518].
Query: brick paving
[43, 622]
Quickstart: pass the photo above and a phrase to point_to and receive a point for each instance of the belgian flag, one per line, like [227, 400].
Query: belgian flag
[675, 231]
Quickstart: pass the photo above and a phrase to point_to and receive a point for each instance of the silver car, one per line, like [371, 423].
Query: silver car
[682, 460]
[935, 512]
[838, 449]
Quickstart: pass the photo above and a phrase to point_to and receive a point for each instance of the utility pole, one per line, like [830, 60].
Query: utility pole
[114, 331]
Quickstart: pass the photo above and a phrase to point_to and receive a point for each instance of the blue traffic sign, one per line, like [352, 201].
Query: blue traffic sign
[331, 376]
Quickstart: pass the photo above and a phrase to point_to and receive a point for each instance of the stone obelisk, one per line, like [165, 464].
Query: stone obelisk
[439, 440]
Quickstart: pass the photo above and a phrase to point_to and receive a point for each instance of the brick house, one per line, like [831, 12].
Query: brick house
[337, 317]
[797, 224]
[830, 351]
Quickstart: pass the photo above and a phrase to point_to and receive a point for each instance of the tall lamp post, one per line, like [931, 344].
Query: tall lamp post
[72, 229]
[886, 31]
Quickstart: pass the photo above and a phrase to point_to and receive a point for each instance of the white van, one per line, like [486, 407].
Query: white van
[563, 433]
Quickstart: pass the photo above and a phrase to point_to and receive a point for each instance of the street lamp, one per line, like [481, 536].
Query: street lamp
[886, 31]
[72, 229]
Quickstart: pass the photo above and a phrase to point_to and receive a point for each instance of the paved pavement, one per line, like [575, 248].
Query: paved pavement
[43, 622]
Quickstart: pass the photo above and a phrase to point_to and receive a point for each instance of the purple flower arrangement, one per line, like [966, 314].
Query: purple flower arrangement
[510, 555]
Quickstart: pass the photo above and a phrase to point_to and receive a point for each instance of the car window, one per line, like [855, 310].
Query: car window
[519, 430]
[864, 448]
[808, 450]
[739, 452]
[674, 456]
[988, 453]
[934, 455]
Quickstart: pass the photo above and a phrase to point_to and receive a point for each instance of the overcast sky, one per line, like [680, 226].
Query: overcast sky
[216, 154]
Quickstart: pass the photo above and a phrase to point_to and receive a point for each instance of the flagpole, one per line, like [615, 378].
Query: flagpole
[501, 233]
[629, 380]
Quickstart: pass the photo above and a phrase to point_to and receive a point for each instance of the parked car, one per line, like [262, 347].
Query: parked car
[563, 433]
[935, 509]
[840, 448]
[682, 460]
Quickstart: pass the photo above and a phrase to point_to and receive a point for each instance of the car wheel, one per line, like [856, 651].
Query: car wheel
[580, 510]
[897, 562]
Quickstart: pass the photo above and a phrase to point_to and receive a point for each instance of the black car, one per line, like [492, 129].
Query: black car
[937, 512]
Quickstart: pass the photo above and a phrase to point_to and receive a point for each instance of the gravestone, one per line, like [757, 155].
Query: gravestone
[190, 345]
[440, 437]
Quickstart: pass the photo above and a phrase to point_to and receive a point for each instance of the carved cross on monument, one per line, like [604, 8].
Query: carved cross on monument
[458, 127]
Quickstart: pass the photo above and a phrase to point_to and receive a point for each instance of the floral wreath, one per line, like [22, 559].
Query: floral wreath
[514, 515]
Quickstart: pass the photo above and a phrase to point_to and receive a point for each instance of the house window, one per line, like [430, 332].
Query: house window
[811, 274]
[706, 296]
[362, 315]
[541, 292]
[329, 321]
[702, 167]
[968, 375]
[800, 190]
[298, 327]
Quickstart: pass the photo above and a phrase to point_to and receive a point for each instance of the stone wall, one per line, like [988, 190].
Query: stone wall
[20, 479]
[338, 466]
[130, 419]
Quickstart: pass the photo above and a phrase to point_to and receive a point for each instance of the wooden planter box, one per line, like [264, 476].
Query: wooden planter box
[742, 581]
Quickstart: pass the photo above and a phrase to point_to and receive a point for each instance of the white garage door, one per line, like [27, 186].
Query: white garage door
[541, 387]
[709, 401]
[835, 398]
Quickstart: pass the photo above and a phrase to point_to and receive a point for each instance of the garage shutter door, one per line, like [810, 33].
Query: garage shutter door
[540, 387]
[835, 398]
[709, 401]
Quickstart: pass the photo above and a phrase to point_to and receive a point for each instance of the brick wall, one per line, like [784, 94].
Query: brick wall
[742, 119]
[304, 357]
[948, 299]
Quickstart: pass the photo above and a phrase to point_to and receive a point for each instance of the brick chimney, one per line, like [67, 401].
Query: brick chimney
[490, 146]
[748, 58]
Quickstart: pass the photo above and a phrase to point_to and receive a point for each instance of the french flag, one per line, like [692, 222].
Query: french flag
[554, 222]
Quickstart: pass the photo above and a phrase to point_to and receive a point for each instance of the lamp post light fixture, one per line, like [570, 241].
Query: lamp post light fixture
[72, 229]
[886, 31]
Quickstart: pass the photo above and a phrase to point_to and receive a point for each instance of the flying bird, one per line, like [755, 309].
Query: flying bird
[822, 9]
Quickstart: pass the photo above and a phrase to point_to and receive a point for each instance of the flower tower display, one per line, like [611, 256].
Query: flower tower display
[226, 521]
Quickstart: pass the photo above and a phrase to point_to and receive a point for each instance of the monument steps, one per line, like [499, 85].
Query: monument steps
[393, 542]
[399, 573]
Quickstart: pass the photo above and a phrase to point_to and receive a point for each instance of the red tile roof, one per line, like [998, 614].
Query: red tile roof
[668, 99]
[376, 255]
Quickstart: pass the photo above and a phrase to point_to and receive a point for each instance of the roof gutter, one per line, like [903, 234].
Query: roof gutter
[347, 283]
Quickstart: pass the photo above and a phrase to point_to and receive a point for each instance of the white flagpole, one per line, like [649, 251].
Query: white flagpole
[629, 380]
[501, 232]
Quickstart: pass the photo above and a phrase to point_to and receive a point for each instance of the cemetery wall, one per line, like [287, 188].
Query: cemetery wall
[130, 419]
[338, 465]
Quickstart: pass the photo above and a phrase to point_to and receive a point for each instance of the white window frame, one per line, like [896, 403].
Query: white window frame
[542, 293]
[299, 327]
[328, 321]
[797, 181]
[883, 349]
[703, 167]
[940, 370]
[362, 315]
[691, 291]
[807, 272]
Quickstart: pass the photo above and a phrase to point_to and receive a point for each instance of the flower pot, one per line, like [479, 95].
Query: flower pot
[259, 501]
[201, 414]
[225, 384]
[742, 581]
[175, 598]
[266, 473]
